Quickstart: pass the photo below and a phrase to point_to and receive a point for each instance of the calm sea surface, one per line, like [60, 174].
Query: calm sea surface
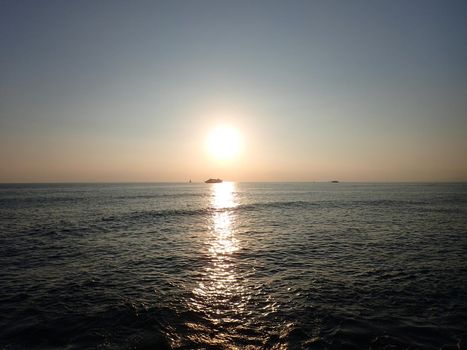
[233, 266]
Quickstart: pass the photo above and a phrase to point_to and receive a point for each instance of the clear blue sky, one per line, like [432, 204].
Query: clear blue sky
[128, 90]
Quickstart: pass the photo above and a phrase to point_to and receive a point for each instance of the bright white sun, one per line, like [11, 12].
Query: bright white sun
[224, 142]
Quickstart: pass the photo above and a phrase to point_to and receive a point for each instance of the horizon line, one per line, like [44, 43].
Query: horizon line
[202, 182]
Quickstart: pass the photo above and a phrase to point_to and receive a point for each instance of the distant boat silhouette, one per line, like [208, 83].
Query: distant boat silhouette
[213, 181]
[335, 181]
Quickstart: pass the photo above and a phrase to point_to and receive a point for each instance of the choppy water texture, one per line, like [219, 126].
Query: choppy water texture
[233, 266]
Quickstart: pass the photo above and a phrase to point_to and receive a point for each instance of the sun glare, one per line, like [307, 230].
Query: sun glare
[224, 142]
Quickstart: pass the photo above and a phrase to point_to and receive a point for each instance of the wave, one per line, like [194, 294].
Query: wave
[164, 195]
[53, 199]
[209, 210]
[124, 326]
[253, 207]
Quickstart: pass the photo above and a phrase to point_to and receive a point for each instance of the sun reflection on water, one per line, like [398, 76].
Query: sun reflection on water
[220, 296]
[223, 195]
[222, 233]
[224, 242]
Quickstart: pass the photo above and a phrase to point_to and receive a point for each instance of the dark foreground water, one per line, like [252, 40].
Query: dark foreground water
[233, 266]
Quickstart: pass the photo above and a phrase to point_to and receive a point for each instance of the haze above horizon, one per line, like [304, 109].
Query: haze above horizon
[300, 91]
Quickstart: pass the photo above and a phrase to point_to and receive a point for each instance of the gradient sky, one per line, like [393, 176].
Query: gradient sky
[320, 90]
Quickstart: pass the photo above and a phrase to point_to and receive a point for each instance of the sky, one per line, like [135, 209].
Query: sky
[112, 91]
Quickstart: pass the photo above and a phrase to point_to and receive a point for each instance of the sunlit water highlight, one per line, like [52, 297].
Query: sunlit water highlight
[220, 295]
[233, 266]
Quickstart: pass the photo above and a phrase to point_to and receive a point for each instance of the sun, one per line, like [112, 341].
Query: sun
[224, 142]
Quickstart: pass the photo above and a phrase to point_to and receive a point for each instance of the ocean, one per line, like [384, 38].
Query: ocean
[233, 266]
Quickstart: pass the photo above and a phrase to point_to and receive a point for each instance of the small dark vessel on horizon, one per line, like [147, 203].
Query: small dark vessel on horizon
[335, 181]
[213, 181]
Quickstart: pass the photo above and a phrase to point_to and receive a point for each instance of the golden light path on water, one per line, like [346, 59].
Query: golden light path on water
[224, 239]
[220, 295]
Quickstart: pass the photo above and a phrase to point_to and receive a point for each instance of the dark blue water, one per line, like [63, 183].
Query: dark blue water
[233, 266]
